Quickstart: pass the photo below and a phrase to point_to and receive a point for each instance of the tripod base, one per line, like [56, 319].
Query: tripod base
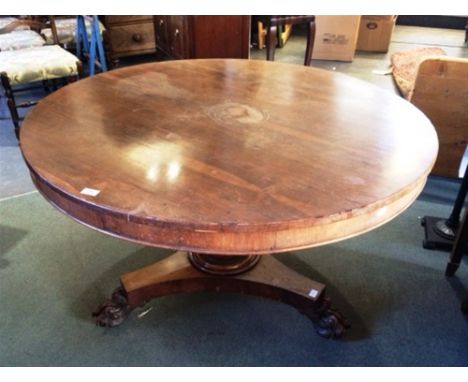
[433, 239]
[192, 272]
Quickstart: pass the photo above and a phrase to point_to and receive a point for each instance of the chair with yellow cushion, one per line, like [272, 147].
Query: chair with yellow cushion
[16, 34]
[24, 69]
[7, 22]
[20, 39]
[66, 31]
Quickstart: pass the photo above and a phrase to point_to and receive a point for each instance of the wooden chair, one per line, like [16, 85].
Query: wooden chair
[441, 92]
[22, 70]
[283, 34]
[21, 39]
[29, 23]
[9, 24]
[66, 30]
[16, 34]
[272, 22]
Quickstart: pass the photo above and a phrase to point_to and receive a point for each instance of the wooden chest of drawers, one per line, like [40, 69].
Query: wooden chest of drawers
[130, 35]
[182, 37]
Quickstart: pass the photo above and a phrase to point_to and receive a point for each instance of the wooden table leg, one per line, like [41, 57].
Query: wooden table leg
[310, 42]
[271, 42]
[257, 275]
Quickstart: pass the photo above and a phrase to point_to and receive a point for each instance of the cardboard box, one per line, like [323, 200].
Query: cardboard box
[336, 37]
[375, 33]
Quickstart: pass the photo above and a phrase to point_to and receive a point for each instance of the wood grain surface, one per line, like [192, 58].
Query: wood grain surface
[441, 92]
[228, 156]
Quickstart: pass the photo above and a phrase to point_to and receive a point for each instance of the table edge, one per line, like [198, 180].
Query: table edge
[230, 239]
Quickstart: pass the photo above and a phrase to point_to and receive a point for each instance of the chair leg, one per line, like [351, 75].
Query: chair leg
[271, 42]
[310, 43]
[45, 85]
[466, 32]
[80, 70]
[10, 102]
[261, 35]
[14, 116]
[464, 306]
[54, 84]
[106, 43]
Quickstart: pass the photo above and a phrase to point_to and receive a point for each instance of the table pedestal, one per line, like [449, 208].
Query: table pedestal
[256, 275]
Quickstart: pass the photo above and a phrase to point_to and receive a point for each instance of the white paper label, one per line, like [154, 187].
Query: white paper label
[313, 293]
[90, 191]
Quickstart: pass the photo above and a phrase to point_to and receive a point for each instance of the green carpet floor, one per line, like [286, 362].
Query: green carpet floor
[54, 272]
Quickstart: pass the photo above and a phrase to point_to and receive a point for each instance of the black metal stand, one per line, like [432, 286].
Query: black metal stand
[440, 233]
[450, 234]
[459, 247]
[464, 306]
[432, 239]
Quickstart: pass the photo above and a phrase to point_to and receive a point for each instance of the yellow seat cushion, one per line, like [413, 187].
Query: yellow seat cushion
[36, 64]
[5, 21]
[66, 30]
[21, 39]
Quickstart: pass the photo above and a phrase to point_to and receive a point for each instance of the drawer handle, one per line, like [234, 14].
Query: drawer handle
[137, 37]
[176, 33]
[161, 22]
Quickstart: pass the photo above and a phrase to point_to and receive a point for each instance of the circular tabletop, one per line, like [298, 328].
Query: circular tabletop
[228, 156]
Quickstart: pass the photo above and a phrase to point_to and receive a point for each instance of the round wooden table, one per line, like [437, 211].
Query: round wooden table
[224, 161]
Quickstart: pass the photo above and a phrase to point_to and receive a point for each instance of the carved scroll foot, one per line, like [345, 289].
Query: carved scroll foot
[328, 322]
[113, 312]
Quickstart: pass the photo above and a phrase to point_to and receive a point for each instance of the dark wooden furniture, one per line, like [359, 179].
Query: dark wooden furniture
[273, 22]
[197, 155]
[129, 36]
[183, 37]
